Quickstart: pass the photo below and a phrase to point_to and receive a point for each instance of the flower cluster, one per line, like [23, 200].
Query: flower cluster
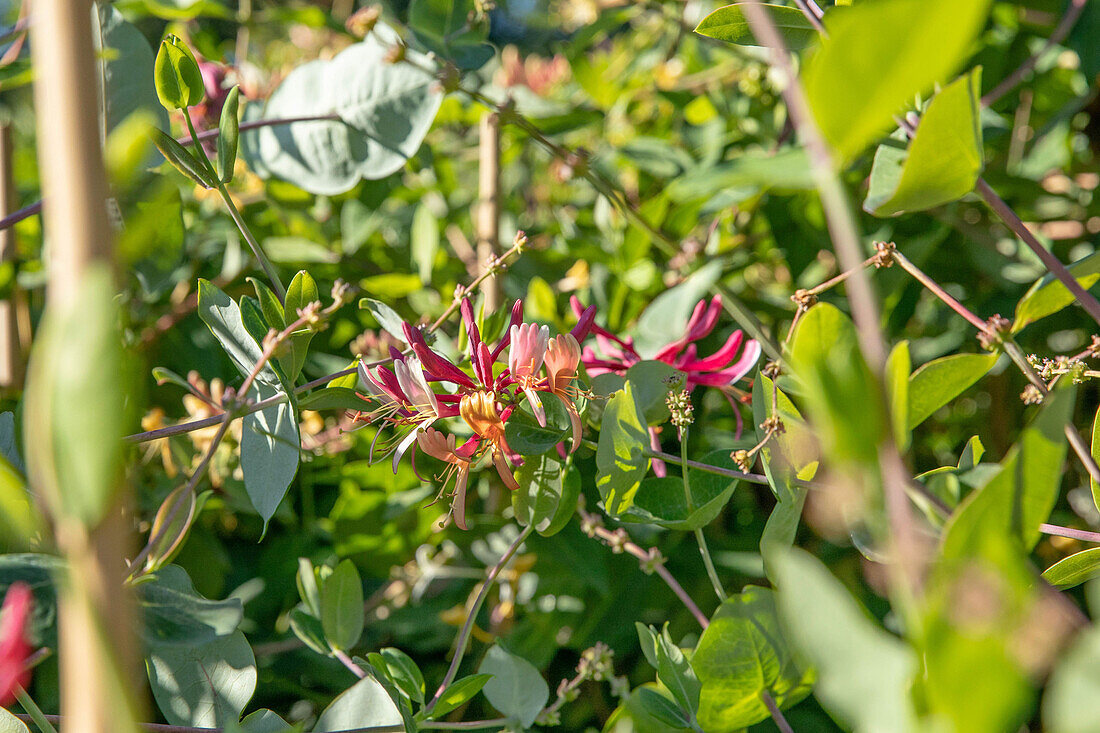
[484, 399]
[732, 361]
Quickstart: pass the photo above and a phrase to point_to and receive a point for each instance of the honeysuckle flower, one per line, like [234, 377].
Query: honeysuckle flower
[485, 396]
[479, 410]
[525, 355]
[563, 355]
[443, 447]
[14, 646]
[731, 362]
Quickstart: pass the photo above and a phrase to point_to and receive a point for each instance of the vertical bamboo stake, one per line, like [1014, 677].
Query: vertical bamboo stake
[95, 634]
[11, 352]
[488, 206]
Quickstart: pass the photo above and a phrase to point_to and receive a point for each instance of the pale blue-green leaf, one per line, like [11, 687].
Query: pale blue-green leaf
[269, 453]
[424, 242]
[516, 689]
[384, 112]
[342, 606]
[363, 705]
[203, 685]
[175, 613]
[125, 70]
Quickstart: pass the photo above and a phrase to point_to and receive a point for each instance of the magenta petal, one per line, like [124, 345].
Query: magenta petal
[706, 324]
[517, 318]
[472, 332]
[720, 358]
[584, 324]
[483, 365]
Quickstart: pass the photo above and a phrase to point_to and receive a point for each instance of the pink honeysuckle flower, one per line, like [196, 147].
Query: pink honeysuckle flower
[525, 355]
[14, 646]
[563, 356]
[458, 459]
[485, 395]
[720, 369]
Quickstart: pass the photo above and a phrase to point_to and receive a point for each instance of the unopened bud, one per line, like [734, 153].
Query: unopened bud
[362, 21]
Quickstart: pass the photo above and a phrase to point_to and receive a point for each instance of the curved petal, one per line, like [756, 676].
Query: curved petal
[536, 405]
[719, 359]
[458, 502]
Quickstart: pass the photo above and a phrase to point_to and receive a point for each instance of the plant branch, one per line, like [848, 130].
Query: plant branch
[347, 662]
[1052, 263]
[467, 628]
[1077, 534]
[699, 538]
[846, 241]
[619, 541]
[265, 263]
[776, 713]
[1065, 25]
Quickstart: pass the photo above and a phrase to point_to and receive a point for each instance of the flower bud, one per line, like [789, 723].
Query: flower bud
[177, 76]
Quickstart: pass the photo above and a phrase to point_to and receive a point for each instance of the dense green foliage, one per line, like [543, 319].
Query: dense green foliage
[886, 527]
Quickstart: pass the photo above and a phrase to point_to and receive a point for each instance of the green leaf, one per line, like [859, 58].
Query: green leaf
[665, 318]
[424, 242]
[443, 27]
[266, 721]
[404, 673]
[223, 317]
[944, 158]
[342, 613]
[301, 292]
[176, 75]
[621, 462]
[458, 693]
[203, 685]
[526, 437]
[1094, 485]
[941, 380]
[651, 383]
[384, 109]
[897, 392]
[78, 403]
[229, 132]
[175, 613]
[308, 629]
[1071, 703]
[661, 501]
[516, 689]
[877, 57]
[661, 707]
[547, 494]
[786, 169]
[125, 63]
[181, 159]
[864, 673]
[363, 705]
[270, 451]
[825, 357]
[1048, 295]
[334, 398]
[1075, 569]
[41, 573]
[269, 304]
[1022, 494]
[728, 24]
[675, 672]
[741, 654]
[387, 317]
